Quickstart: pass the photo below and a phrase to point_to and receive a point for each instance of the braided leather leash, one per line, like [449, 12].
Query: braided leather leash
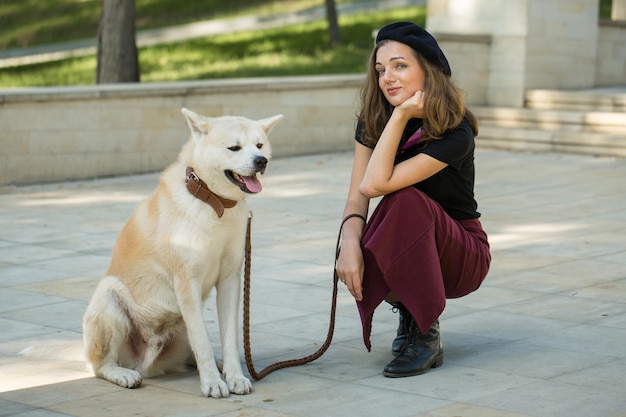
[246, 313]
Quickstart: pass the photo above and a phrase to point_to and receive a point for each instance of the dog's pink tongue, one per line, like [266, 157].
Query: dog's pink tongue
[252, 184]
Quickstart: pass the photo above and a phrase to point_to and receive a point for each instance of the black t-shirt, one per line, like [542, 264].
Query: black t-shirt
[453, 186]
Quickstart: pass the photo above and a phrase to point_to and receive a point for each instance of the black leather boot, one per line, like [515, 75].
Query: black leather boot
[420, 353]
[403, 328]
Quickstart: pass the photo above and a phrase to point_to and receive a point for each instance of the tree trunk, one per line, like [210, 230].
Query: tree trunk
[117, 50]
[333, 26]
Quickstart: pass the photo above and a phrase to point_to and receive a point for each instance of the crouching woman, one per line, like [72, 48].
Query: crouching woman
[424, 242]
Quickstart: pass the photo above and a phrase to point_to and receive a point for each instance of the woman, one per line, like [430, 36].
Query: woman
[424, 242]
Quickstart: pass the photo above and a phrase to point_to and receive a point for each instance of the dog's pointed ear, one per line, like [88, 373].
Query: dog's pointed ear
[269, 123]
[198, 124]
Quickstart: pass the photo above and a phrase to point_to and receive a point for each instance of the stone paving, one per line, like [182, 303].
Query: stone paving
[545, 336]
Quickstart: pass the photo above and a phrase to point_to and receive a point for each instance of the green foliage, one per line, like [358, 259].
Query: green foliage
[292, 50]
[25, 23]
[605, 9]
[161, 13]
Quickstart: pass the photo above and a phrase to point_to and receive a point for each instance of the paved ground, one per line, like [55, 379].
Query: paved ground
[543, 337]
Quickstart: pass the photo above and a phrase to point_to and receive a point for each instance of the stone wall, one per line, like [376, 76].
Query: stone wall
[67, 133]
[535, 44]
[506, 22]
[611, 59]
[53, 134]
[468, 56]
[561, 44]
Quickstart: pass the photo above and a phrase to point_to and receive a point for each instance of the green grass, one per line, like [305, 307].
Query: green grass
[26, 23]
[292, 50]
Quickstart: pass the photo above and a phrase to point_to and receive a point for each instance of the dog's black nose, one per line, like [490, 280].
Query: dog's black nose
[260, 163]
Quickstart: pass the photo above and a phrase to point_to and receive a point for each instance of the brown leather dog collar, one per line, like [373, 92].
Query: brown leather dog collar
[200, 190]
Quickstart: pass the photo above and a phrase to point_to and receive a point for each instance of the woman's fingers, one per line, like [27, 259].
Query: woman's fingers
[353, 284]
[350, 271]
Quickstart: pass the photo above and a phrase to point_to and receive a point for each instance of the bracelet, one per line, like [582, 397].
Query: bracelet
[345, 219]
[349, 216]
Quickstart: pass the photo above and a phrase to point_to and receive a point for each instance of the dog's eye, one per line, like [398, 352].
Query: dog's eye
[235, 148]
[259, 145]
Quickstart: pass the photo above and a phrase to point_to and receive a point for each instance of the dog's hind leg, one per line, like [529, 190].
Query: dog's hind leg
[106, 331]
[167, 350]
[176, 354]
[153, 349]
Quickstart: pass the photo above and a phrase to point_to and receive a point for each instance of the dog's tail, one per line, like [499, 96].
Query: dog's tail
[55, 349]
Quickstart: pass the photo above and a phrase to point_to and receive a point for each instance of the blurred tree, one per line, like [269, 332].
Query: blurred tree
[333, 26]
[118, 60]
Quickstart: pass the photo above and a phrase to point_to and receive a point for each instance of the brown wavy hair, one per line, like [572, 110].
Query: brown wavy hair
[444, 102]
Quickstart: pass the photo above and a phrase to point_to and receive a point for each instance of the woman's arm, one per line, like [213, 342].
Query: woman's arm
[381, 176]
[349, 265]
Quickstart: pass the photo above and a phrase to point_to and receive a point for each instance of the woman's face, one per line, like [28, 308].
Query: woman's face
[399, 73]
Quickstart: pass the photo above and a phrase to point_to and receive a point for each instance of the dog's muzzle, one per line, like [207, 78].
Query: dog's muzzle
[260, 164]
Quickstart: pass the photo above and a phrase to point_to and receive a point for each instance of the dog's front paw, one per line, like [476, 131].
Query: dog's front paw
[215, 388]
[239, 385]
[127, 378]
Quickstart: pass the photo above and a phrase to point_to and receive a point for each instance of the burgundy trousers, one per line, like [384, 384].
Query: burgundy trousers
[413, 248]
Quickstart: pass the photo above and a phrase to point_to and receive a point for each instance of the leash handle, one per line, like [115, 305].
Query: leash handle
[246, 312]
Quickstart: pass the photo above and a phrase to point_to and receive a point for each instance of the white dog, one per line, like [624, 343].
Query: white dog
[145, 317]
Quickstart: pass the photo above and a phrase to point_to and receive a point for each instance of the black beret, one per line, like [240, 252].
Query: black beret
[417, 38]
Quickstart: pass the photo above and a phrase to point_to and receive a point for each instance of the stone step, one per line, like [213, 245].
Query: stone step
[584, 132]
[605, 99]
[536, 140]
[562, 120]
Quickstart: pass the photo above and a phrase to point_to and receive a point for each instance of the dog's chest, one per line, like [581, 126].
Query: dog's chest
[212, 245]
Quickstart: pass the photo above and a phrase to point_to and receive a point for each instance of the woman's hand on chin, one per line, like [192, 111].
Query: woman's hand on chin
[414, 105]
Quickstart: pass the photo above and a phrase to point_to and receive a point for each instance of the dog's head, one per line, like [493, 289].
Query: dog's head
[228, 152]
